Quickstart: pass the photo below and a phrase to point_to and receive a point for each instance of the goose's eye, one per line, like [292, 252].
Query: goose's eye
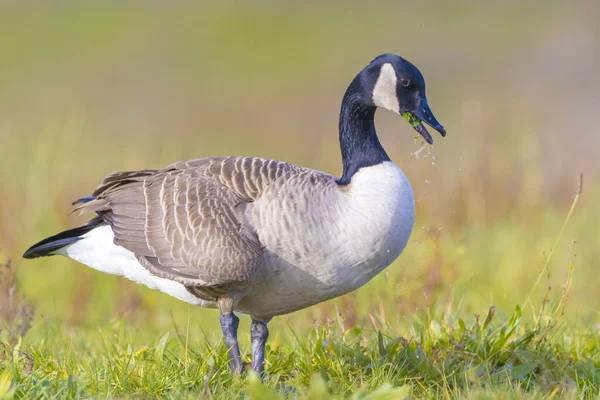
[405, 82]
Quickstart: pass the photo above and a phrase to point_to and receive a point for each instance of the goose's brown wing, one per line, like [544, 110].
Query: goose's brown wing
[183, 222]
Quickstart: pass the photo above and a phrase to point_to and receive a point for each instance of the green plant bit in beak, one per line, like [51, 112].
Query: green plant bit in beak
[412, 120]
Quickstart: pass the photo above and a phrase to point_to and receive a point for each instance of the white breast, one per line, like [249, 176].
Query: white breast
[377, 223]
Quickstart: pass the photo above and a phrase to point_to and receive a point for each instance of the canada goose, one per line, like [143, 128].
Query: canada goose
[258, 236]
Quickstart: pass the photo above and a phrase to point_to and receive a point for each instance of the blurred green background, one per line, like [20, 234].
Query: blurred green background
[87, 88]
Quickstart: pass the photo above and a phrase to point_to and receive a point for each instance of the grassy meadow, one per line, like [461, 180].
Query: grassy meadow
[495, 296]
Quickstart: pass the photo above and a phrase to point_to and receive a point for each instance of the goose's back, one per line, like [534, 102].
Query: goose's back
[185, 222]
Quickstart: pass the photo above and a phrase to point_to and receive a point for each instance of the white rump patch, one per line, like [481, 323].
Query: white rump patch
[97, 250]
[384, 92]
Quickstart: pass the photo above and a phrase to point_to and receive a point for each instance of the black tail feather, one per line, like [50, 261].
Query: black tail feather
[49, 245]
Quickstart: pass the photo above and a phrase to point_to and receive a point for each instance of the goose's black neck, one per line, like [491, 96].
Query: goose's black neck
[358, 139]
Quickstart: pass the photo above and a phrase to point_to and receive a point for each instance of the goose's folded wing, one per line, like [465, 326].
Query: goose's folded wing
[184, 222]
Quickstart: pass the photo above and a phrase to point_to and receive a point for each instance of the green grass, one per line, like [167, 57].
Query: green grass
[441, 356]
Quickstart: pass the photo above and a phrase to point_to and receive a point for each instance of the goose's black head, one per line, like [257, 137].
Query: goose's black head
[389, 82]
[395, 84]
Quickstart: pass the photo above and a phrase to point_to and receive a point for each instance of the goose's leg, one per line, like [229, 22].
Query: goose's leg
[259, 334]
[229, 325]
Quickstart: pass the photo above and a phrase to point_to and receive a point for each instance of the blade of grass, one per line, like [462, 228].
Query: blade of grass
[547, 260]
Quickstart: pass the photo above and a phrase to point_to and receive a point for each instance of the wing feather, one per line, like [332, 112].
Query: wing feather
[183, 221]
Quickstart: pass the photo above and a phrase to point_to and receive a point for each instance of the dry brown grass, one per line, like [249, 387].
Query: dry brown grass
[16, 311]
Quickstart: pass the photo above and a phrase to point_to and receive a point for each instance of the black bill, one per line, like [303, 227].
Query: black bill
[424, 114]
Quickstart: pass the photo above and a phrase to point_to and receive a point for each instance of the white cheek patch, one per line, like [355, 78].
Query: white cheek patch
[384, 92]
